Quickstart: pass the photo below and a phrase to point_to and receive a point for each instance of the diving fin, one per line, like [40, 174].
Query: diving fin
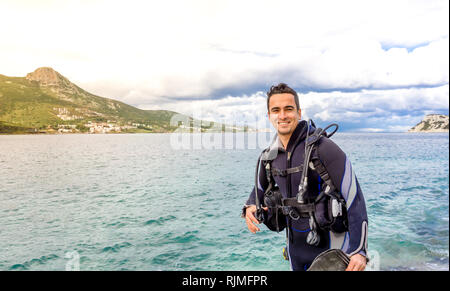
[330, 260]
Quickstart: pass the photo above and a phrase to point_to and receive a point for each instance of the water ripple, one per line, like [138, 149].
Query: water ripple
[160, 220]
[132, 202]
[29, 264]
[116, 248]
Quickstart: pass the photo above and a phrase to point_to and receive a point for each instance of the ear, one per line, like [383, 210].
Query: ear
[300, 113]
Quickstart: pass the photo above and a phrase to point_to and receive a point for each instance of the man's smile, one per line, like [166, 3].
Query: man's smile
[283, 123]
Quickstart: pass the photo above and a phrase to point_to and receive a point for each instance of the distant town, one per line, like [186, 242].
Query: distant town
[98, 127]
[113, 127]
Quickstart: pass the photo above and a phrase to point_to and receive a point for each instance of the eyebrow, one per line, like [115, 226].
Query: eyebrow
[286, 107]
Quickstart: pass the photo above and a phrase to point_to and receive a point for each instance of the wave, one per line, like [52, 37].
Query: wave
[187, 237]
[160, 220]
[39, 261]
[116, 248]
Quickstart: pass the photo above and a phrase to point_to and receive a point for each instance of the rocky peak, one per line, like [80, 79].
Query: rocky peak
[51, 80]
[48, 77]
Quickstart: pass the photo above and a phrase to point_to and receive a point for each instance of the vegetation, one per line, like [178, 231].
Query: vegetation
[426, 125]
[27, 106]
[10, 129]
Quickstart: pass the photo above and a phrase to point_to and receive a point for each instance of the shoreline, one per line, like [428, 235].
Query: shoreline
[113, 133]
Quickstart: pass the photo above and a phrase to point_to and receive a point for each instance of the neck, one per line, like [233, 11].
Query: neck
[285, 139]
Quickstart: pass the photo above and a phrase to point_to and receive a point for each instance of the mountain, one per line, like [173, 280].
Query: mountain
[45, 101]
[432, 123]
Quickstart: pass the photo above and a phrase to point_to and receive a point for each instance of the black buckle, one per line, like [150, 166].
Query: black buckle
[259, 215]
[278, 172]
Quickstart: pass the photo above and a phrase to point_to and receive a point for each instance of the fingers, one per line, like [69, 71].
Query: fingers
[357, 263]
[350, 266]
[253, 228]
[356, 267]
[250, 219]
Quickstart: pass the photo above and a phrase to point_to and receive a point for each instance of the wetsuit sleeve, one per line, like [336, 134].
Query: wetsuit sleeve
[344, 179]
[262, 186]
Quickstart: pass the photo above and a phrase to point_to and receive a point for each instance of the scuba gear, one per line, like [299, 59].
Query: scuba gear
[330, 260]
[272, 197]
[259, 210]
[310, 141]
[327, 211]
[286, 163]
[313, 237]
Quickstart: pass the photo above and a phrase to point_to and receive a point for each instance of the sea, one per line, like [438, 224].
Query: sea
[173, 202]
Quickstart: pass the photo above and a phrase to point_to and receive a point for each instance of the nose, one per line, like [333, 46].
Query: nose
[282, 114]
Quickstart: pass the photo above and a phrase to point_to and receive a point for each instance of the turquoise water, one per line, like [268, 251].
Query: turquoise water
[133, 202]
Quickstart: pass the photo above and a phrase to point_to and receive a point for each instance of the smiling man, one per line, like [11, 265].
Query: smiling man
[314, 225]
[284, 113]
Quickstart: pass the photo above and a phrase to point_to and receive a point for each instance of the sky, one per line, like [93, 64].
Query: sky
[368, 65]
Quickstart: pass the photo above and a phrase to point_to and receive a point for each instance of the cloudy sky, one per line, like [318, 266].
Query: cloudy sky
[368, 65]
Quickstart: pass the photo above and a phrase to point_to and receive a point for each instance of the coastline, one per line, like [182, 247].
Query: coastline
[437, 131]
[197, 132]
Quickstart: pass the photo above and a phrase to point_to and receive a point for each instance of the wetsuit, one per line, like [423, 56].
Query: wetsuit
[343, 177]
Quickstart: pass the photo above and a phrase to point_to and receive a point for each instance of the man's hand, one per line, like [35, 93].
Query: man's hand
[250, 218]
[357, 263]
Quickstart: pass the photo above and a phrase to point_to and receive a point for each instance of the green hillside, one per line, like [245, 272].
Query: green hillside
[45, 101]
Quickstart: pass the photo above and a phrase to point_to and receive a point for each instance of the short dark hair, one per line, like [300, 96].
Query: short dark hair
[279, 89]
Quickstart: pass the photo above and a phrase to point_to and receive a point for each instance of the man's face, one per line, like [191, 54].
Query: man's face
[283, 113]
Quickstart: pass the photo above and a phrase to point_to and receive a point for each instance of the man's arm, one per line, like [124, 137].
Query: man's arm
[344, 179]
[249, 210]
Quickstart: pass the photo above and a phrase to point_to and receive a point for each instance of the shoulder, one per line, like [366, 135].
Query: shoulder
[271, 153]
[328, 150]
[333, 158]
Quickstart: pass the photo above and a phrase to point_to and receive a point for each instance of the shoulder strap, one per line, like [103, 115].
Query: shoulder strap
[310, 145]
[268, 166]
[317, 165]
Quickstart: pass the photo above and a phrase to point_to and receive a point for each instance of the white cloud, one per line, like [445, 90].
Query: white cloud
[187, 48]
[241, 110]
[374, 130]
[388, 109]
[146, 53]
[368, 110]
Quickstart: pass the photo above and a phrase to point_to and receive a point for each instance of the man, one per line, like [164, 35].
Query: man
[284, 113]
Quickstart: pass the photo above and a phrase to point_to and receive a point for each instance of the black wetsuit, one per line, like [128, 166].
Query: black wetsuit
[343, 177]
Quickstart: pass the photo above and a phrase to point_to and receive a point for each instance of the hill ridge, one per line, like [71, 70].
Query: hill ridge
[44, 101]
[432, 123]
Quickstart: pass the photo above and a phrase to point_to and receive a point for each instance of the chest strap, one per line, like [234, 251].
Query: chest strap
[304, 208]
[283, 173]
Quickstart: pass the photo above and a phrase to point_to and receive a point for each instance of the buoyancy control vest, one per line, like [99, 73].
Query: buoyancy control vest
[327, 211]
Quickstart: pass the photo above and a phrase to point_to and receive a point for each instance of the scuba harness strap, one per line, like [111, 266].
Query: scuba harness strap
[323, 211]
[317, 165]
[278, 172]
[259, 210]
